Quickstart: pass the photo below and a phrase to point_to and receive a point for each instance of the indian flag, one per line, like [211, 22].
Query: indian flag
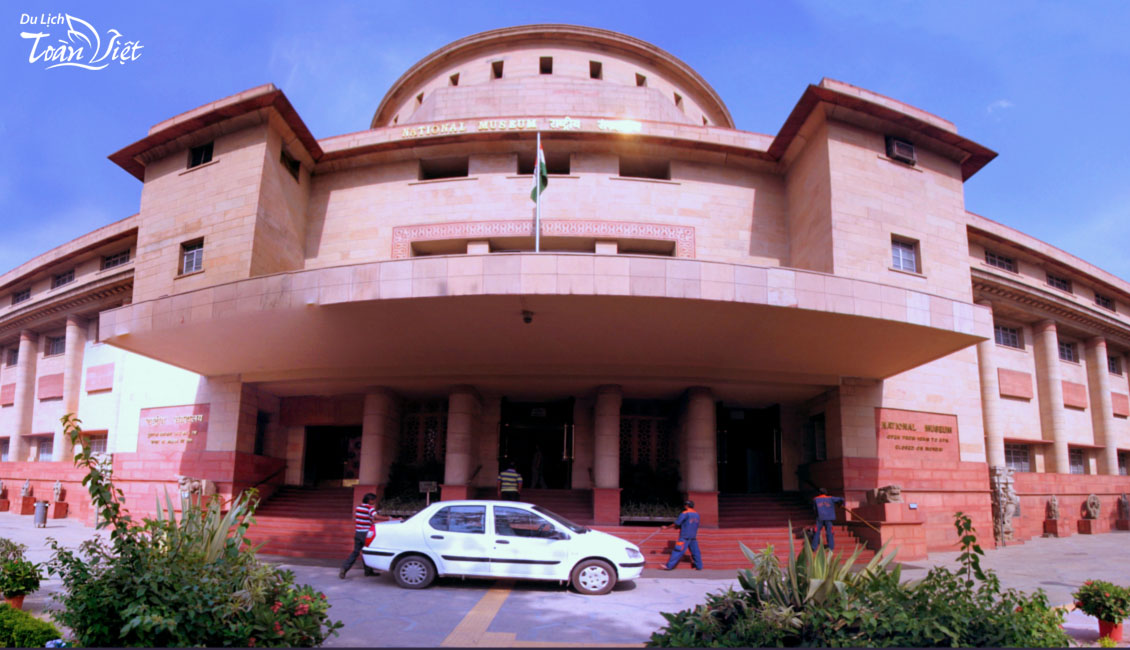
[541, 174]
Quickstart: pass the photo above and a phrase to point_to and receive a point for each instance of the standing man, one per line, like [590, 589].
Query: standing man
[687, 523]
[825, 507]
[363, 518]
[509, 483]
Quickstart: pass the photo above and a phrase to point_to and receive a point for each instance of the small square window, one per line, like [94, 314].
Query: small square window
[545, 65]
[453, 79]
[1008, 336]
[44, 450]
[1018, 457]
[639, 167]
[199, 155]
[21, 295]
[1123, 461]
[1114, 365]
[1106, 302]
[1067, 352]
[192, 257]
[1059, 282]
[904, 255]
[4, 446]
[63, 278]
[901, 150]
[596, 70]
[641, 80]
[56, 345]
[1000, 261]
[117, 259]
[13, 356]
[496, 69]
[1077, 460]
[97, 442]
[291, 163]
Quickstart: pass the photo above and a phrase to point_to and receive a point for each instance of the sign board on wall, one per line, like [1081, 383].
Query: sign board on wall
[917, 436]
[173, 429]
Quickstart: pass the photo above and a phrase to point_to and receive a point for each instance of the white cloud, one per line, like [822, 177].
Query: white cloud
[999, 105]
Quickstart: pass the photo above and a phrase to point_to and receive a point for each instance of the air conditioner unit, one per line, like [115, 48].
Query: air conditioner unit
[901, 150]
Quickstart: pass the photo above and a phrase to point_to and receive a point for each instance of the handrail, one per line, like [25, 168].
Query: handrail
[474, 474]
[269, 477]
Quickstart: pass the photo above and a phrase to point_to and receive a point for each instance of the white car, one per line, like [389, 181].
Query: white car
[499, 539]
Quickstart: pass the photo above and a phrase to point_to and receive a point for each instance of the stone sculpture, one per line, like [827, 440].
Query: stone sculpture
[195, 487]
[889, 494]
[1093, 507]
[1005, 502]
[1053, 508]
[25, 491]
[1123, 507]
[57, 491]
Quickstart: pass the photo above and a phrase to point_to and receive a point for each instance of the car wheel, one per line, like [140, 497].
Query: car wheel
[594, 577]
[414, 572]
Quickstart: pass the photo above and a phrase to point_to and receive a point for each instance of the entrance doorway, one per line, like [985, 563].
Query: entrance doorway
[333, 456]
[749, 449]
[538, 438]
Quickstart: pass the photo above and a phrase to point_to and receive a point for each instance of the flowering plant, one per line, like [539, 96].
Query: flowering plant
[296, 617]
[1103, 600]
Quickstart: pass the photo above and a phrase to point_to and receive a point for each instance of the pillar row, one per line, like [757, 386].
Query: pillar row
[606, 455]
[25, 395]
[701, 477]
[1049, 387]
[72, 381]
[990, 399]
[1102, 410]
[380, 427]
[462, 421]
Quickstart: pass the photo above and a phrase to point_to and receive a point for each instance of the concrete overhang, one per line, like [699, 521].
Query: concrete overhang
[411, 324]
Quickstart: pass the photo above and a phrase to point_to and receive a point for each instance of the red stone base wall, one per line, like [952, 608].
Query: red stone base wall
[606, 506]
[454, 492]
[1071, 490]
[706, 504]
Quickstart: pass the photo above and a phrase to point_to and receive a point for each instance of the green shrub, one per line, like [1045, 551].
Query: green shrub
[18, 629]
[19, 577]
[11, 551]
[192, 581]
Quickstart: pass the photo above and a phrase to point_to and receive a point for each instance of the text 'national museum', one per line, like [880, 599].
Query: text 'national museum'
[735, 317]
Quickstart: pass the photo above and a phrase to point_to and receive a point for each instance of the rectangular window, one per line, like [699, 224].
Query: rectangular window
[1008, 337]
[13, 356]
[4, 451]
[545, 65]
[496, 69]
[1106, 302]
[596, 70]
[21, 295]
[192, 257]
[44, 450]
[262, 421]
[1122, 463]
[199, 155]
[63, 278]
[117, 259]
[1000, 261]
[1067, 352]
[97, 443]
[901, 150]
[639, 167]
[436, 168]
[1114, 365]
[1017, 457]
[904, 254]
[56, 345]
[556, 162]
[1077, 461]
[819, 438]
[1058, 282]
[291, 163]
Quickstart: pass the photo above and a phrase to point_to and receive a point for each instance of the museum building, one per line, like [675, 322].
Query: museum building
[745, 316]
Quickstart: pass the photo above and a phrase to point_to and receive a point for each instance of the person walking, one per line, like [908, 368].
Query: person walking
[825, 507]
[510, 483]
[687, 523]
[364, 516]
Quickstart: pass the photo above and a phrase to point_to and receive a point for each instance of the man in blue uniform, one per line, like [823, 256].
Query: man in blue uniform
[825, 507]
[687, 523]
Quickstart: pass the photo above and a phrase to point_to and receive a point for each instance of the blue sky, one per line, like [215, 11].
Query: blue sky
[1043, 84]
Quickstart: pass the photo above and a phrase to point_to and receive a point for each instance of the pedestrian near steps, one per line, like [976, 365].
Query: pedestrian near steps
[364, 516]
[825, 507]
[687, 523]
[510, 483]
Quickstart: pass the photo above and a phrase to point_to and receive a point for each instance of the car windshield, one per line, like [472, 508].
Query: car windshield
[576, 528]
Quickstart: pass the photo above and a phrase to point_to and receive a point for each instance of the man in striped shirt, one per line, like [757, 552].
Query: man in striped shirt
[363, 517]
[509, 483]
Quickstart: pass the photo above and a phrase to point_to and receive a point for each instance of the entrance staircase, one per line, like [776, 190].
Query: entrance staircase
[317, 523]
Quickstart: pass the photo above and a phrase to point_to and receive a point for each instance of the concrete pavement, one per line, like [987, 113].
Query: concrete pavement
[475, 612]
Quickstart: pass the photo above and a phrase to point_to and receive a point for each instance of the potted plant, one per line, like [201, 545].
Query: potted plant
[1107, 602]
[18, 578]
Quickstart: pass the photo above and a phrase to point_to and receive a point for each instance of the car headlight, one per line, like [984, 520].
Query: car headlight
[633, 554]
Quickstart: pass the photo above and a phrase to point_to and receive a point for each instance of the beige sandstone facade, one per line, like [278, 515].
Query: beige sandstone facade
[757, 312]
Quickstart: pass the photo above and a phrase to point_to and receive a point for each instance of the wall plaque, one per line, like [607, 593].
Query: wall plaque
[917, 435]
[173, 428]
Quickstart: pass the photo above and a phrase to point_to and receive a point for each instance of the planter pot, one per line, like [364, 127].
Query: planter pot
[17, 602]
[1110, 629]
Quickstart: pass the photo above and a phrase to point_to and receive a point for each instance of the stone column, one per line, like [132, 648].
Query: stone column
[72, 381]
[606, 455]
[462, 418]
[1102, 411]
[701, 462]
[1049, 387]
[25, 395]
[990, 398]
[379, 430]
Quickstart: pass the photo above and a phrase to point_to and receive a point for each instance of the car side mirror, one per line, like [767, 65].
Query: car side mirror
[559, 535]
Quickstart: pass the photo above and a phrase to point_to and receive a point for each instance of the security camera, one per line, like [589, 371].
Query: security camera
[527, 316]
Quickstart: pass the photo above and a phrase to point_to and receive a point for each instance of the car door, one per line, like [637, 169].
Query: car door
[457, 534]
[527, 545]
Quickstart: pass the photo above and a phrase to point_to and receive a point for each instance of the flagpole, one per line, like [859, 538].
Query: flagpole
[537, 188]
